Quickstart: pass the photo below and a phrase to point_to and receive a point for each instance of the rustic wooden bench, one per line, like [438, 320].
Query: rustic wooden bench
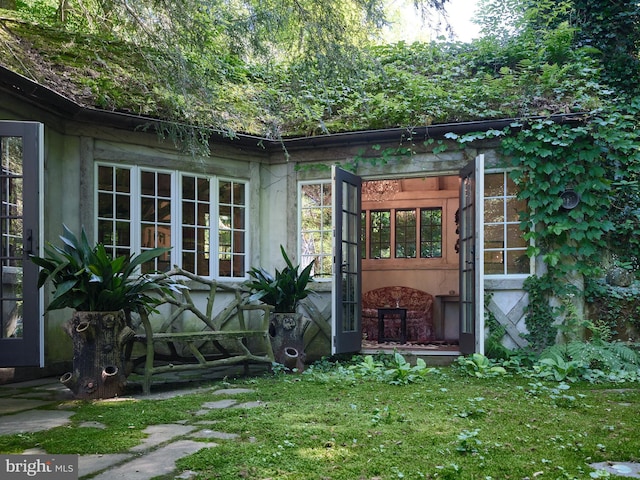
[211, 340]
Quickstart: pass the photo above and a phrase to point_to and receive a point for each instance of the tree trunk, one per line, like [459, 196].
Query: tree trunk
[100, 340]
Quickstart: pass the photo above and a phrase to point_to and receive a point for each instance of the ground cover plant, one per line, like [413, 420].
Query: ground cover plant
[371, 418]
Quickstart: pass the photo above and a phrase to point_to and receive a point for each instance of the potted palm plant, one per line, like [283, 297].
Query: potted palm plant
[283, 291]
[102, 291]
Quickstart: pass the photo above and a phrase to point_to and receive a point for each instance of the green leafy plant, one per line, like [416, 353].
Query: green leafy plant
[617, 308]
[284, 289]
[468, 441]
[558, 394]
[86, 278]
[473, 409]
[401, 372]
[558, 369]
[394, 370]
[588, 361]
[480, 366]
[368, 367]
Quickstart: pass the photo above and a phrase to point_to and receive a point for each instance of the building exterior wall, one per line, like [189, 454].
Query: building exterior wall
[72, 150]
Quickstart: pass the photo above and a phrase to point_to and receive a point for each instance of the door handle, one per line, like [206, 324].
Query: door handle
[29, 241]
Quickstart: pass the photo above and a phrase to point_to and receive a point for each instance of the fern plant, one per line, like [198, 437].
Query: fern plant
[596, 355]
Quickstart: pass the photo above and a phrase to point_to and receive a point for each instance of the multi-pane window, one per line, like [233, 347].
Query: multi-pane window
[155, 216]
[140, 209]
[196, 225]
[405, 229]
[316, 235]
[114, 209]
[232, 212]
[380, 234]
[430, 232]
[505, 249]
[407, 232]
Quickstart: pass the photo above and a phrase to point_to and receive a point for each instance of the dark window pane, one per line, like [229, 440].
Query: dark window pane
[405, 230]
[164, 185]
[430, 232]
[238, 193]
[105, 205]
[188, 188]
[188, 213]
[517, 262]
[105, 178]
[224, 195]
[187, 262]
[148, 207]
[203, 214]
[380, 234]
[148, 183]
[188, 239]
[203, 189]
[123, 207]
[238, 217]
[123, 180]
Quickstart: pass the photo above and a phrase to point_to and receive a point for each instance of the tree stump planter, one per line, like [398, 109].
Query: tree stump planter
[286, 331]
[100, 341]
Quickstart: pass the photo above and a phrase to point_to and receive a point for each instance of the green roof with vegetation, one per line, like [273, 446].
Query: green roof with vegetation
[396, 85]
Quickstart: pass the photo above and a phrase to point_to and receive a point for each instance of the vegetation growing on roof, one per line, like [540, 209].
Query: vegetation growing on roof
[278, 95]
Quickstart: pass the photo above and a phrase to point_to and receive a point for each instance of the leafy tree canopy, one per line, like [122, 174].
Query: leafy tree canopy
[303, 67]
[190, 59]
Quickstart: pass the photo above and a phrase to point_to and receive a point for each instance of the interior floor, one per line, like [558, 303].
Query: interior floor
[442, 347]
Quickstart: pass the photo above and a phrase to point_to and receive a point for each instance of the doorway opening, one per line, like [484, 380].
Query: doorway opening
[410, 265]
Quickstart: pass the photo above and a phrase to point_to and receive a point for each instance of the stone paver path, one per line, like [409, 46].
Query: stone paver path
[22, 409]
[33, 421]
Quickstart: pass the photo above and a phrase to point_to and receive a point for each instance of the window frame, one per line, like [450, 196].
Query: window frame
[392, 232]
[421, 241]
[369, 236]
[326, 277]
[505, 223]
[176, 220]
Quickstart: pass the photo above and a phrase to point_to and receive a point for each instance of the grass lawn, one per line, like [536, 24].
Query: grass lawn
[335, 425]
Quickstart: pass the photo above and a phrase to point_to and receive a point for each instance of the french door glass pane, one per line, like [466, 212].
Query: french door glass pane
[316, 235]
[11, 230]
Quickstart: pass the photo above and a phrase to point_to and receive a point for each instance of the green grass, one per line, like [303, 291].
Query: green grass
[336, 426]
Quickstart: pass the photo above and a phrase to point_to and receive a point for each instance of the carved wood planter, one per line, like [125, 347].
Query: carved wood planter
[286, 331]
[100, 341]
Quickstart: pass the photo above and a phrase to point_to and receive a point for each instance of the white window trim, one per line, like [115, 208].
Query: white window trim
[215, 241]
[532, 260]
[299, 221]
[176, 213]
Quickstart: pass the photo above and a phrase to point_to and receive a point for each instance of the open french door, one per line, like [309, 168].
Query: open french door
[471, 259]
[21, 326]
[346, 322]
